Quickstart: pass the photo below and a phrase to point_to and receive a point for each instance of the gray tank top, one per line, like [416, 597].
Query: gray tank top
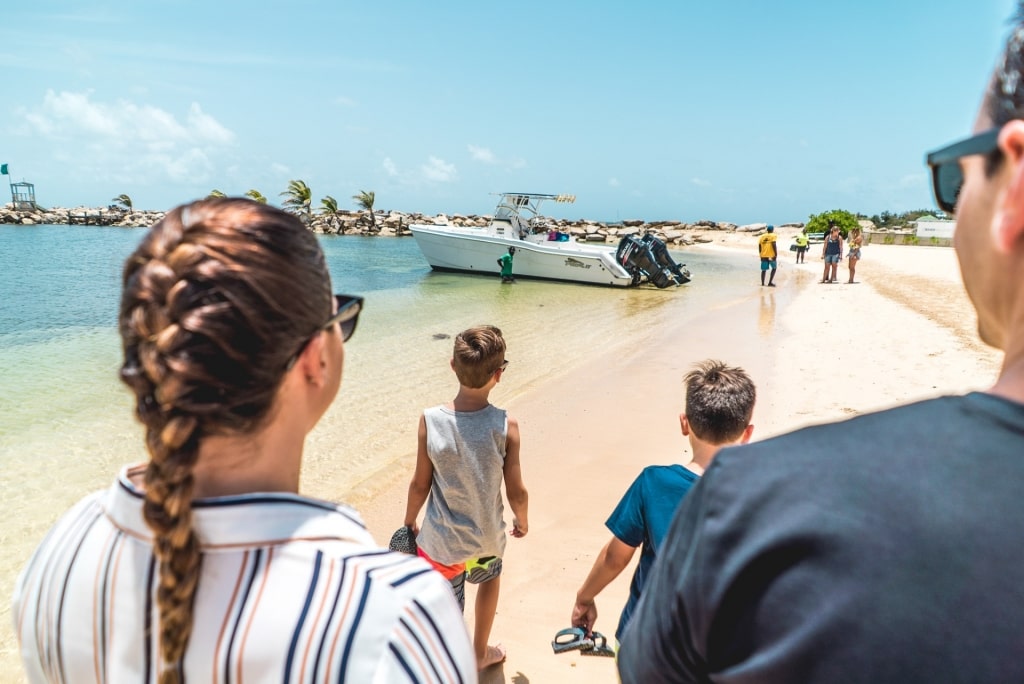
[463, 520]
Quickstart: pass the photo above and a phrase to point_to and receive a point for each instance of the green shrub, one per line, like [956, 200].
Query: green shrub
[819, 223]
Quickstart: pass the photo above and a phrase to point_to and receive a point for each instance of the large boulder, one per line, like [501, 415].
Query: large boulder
[751, 228]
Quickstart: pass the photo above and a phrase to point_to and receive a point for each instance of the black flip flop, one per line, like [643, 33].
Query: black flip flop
[572, 639]
[601, 647]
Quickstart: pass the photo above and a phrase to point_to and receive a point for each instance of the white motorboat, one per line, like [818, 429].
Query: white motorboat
[545, 253]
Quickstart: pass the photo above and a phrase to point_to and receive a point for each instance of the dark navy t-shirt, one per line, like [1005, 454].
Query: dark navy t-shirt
[886, 548]
[642, 519]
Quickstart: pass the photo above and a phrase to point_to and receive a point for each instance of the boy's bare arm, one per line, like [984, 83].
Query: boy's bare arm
[518, 498]
[419, 488]
[608, 565]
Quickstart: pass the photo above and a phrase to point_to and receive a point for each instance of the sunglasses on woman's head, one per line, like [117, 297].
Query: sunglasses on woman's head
[346, 315]
[947, 176]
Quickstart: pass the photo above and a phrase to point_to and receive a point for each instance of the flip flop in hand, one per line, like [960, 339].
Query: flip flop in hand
[572, 639]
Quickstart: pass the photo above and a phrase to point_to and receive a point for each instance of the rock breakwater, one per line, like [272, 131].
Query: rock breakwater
[396, 223]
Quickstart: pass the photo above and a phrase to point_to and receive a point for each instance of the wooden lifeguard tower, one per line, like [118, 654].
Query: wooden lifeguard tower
[23, 195]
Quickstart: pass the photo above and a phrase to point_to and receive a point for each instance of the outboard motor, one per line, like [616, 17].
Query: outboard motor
[661, 255]
[636, 257]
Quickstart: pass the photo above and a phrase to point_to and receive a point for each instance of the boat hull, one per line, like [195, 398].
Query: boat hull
[452, 248]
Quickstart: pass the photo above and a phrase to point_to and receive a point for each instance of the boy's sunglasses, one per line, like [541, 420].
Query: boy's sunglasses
[346, 316]
[947, 176]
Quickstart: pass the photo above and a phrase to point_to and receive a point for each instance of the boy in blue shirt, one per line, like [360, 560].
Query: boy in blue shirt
[719, 405]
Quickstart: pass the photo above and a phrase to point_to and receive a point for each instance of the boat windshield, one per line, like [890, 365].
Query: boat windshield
[525, 206]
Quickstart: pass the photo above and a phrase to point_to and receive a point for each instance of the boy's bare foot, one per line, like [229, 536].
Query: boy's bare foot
[494, 655]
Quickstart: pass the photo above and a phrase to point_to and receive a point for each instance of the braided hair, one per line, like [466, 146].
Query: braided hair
[216, 298]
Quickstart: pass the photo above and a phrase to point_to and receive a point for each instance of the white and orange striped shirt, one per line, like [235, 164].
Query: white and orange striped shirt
[291, 589]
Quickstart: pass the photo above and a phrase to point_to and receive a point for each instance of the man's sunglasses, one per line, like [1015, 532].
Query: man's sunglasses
[947, 176]
[346, 316]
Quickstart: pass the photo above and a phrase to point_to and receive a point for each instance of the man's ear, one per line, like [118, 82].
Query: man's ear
[1010, 227]
[684, 424]
[747, 432]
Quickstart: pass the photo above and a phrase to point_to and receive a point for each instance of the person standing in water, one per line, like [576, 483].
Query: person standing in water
[505, 262]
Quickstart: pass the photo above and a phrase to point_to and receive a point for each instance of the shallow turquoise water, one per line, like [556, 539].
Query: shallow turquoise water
[66, 422]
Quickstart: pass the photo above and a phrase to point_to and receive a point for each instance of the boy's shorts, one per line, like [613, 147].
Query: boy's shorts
[768, 262]
[475, 571]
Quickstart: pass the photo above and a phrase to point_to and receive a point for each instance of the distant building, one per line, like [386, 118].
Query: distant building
[931, 227]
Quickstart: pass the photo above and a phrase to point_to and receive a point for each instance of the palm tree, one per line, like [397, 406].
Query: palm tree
[365, 201]
[125, 201]
[329, 208]
[257, 196]
[299, 197]
[216, 194]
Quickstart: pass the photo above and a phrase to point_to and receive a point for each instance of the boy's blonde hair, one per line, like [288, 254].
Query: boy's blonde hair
[479, 352]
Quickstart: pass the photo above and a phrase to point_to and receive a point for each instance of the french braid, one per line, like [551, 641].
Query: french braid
[215, 300]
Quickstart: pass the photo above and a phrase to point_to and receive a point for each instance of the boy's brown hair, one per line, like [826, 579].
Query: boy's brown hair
[719, 401]
[479, 352]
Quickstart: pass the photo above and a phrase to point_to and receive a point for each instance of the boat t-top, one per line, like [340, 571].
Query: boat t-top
[541, 251]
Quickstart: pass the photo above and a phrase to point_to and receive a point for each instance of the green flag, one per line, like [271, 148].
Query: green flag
[3, 169]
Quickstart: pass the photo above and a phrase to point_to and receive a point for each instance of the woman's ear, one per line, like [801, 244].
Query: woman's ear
[312, 362]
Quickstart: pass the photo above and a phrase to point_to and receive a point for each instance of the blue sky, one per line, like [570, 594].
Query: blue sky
[737, 111]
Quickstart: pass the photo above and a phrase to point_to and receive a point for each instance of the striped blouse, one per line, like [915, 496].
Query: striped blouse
[291, 589]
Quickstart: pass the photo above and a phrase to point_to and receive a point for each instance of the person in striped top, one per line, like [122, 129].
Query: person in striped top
[205, 563]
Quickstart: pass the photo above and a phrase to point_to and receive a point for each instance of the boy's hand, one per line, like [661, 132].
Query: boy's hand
[414, 527]
[519, 529]
[584, 614]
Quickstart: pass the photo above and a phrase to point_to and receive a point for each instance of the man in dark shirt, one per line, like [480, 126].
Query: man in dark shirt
[802, 559]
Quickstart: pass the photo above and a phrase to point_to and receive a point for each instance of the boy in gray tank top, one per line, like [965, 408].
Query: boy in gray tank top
[466, 448]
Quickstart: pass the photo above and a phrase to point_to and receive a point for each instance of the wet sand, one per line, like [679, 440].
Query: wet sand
[817, 353]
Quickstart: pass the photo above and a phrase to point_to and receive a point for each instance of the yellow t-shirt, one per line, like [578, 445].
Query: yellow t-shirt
[766, 244]
[801, 240]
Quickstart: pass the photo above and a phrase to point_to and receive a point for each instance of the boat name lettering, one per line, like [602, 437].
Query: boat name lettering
[576, 263]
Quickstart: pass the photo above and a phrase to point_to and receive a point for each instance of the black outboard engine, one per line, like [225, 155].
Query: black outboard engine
[661, 255]
[636, 257]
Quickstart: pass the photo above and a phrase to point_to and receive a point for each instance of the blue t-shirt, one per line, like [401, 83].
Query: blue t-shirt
[642, 518]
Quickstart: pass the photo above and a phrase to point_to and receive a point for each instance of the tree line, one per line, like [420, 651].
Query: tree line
[298, 200]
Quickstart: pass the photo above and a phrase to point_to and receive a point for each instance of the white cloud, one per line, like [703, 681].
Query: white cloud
[914, 180]
[127, 141]
[281, 169]
[700, 182]
[485, 155]
[850, 186]
[439, 171]
[344, 101]
[614, 182]
[482, 154]
[389, 167]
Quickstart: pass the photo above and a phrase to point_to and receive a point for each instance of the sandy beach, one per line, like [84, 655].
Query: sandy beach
[817, 352]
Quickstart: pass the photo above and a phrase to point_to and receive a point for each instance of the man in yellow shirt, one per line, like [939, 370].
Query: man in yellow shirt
[769, 252]
[801, 246]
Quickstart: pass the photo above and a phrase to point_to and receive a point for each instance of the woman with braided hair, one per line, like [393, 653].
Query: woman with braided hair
[205, 563]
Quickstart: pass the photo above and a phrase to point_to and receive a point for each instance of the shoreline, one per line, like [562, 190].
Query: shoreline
[674, 233]
[580, 455]
[589, 425]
